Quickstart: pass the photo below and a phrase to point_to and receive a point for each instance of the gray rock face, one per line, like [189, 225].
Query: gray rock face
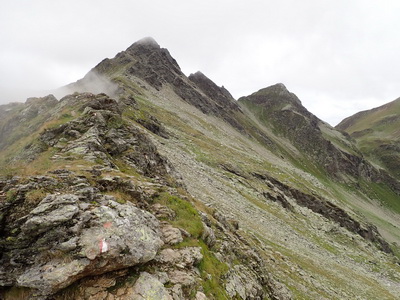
[148, 287]
[52, 211]
[225, 104]
[83, 239]
[242, 283]
[171, 235]
[183, 258]
[200, 296]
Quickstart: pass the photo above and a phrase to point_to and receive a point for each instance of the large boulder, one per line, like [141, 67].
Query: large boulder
[66, 238]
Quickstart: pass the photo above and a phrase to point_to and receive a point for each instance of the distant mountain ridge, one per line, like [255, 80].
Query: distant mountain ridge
[377, 133]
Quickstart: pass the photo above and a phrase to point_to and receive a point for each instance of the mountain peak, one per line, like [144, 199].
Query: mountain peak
[276, 95]
[209, 88]
[146, 42]
[280, 86]
[177, 160]
[198, 74]
[276, 89]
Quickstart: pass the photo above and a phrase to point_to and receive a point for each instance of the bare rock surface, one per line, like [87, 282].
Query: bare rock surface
[148, 287]
[64, 239]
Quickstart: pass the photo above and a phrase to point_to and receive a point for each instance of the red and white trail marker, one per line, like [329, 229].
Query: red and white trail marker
[103, 246]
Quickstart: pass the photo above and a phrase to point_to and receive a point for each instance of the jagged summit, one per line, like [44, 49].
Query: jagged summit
[147, 61]
[148, 47]
[213, 91]
[284, 113]
[277, 87]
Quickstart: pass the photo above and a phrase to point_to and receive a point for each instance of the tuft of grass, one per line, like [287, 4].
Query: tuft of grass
[62, 119]
[125, 168]
[11, 195]
[35, 196]
[121, 196]
[212, 272]
[187, 217]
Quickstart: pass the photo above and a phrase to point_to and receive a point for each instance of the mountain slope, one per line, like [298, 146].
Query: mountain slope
[377, 134]
[253, 200]
[283, 112]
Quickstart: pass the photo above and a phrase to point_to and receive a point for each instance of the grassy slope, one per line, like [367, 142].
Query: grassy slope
[377, 133]
[371, 119]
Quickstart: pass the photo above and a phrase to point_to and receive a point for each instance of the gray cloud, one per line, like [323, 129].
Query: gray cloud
[339, 57]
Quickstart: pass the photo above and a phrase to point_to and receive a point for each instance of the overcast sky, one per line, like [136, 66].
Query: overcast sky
[338, 57]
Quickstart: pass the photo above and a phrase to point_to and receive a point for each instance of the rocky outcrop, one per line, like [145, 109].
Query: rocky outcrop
[68, 236]
[282, 194]
[226, 105]
[77, 235]
[248, 279]
[20, 120]
[100, 132]
[148, 287]
[219, 94]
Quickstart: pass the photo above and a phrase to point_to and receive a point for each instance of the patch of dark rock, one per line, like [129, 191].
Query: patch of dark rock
[154, 125]
[129, 101]
[231, 224]
[102, 102]
[218, 94]
[234, 170]
[357, 134]
[280, 198]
